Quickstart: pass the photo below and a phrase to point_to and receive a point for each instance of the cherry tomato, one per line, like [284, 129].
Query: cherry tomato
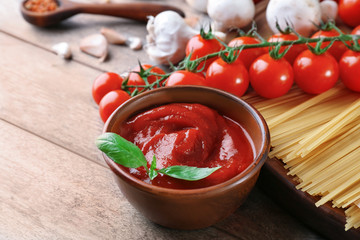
[136, 79]
[337, 49]
[105, 83]
[295, 49]
[199, 47]
[247, 56]
[349, 66]
[111, 101]
[230, 77]
[356, 31]
[183, 77]
[271, 78]
[315, 74]
[349, 12]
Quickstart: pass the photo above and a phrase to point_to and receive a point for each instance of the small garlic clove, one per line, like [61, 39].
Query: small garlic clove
[134, 43]
[329, 9]
[62, 49]
[95, 45]
[112, 36]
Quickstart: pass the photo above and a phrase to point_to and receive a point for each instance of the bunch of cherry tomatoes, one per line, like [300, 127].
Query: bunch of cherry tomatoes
[268, 76]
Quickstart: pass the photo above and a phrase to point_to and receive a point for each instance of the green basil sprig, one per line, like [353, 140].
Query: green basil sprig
[129, 155]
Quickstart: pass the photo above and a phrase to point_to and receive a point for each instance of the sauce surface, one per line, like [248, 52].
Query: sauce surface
[41, 6]
[191, 135]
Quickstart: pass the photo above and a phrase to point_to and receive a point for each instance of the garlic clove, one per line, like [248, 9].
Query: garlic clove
[62, 49]
[134, 43]
[329, 9]
[112, 36]
[95, 45]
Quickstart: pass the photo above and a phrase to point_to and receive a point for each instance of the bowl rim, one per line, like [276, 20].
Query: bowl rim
[251, 170]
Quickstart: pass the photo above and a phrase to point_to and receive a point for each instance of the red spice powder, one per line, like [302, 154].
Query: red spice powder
[41, 6]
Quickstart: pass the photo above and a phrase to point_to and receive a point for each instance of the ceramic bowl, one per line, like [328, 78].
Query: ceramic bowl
[193, 208]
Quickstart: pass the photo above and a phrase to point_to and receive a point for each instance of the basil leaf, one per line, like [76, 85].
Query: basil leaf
[152, 172]
[129, 155]
[188, 173]
[121, 151]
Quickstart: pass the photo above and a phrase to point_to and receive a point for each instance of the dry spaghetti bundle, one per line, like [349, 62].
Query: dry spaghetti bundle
[318, 139]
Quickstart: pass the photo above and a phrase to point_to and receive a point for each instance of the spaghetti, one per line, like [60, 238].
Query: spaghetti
[318, 139]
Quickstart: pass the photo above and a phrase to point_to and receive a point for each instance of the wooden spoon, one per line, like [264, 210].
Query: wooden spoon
[131, 10]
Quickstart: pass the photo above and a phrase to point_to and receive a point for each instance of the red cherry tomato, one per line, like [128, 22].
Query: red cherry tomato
[183, 77]
[315, 74]
[111, 101]
[349, 66]
[295, 49]
[136, 79]
[349, 12]
[356, 31]
[199, 47]
[230, 77]
[337, 49]
[247, 56]
[271, 78]
[105, 83]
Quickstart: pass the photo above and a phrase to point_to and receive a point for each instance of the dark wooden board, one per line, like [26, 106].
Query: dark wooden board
[326, 220]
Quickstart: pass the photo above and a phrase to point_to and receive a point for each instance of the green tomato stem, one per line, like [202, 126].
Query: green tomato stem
[345, 38]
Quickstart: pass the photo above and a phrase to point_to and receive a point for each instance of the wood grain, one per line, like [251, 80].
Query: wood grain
[120, 59]
[53, 185]
[51, 99]
[131, 10]
[48, 96]
[48, 85]
[47, 192]
[251, 223]
[325, 219]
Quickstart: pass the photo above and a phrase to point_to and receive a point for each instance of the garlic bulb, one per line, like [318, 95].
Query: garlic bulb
[228, 14]
[167, 37]
[302, 15]
[95, 45]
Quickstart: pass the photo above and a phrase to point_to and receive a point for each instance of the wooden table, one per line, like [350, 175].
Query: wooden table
[53, 184]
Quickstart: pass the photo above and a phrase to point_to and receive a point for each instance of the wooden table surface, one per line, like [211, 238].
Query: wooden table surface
[53, 183]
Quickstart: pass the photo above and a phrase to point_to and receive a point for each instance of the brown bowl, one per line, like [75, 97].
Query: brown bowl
[193, 208]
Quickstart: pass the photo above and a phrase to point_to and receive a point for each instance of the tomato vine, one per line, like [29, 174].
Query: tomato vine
[349, 40]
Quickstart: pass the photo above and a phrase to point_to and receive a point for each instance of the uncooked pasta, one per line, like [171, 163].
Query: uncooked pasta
[318, 139]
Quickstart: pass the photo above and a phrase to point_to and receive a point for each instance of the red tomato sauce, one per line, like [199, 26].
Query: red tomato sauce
[191, 135]
[41, 6]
